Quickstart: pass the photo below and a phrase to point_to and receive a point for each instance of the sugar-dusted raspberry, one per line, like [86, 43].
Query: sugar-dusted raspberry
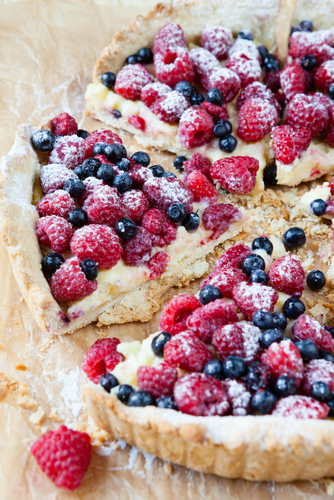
[63, 455]
[157, 264]
[195, 128]
[69, 150]
[217, 40]
[218, 217]
[237, 174]
[57, 203]
[317, 43]
[223, 79]
[200, 395]
[323, 99]
[252, 297]
[201, 187]
[203, 62]
[284, 359]
[104, 206]
[175, 313]
[272, 81]
[55, 232]
[53, 177]
[163, 191]
[100, 135]
[64, 124]
[290, 143]
[173, 66]
[152, 91]
[137, 122]
[300, 407]
[330, 129]
[256, 119]
[217, 112]
[292, 80]
[139, 175]
[246, 47]
[324, 75]
[248, 69]
[170, 36]
[70, 283]
[240, 339]
[90, 184]
[199, 163]
[186, 351]
[204, 321]
[130, 81]
[257, 89]
[233, 256]
[157, 380]
[137, 251]
[287, 275]
[136, 203]
[305, 111]
[156, 221]
[318, 370]
[102, 357]
[224, 278]
[238, 396]
[307, 327]
[170, 107]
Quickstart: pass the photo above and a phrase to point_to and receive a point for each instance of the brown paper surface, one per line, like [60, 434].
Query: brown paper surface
[47, 52]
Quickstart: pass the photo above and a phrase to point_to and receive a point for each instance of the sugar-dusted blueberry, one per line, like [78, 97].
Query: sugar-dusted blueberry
[196, 99]
[222, 129]
[109, 79]
[186, 89]
[294, 238]
[270, 174]
[316, 280]
[169, 174]
[146, 54]
[259, 276]
[234, 367]
[252, 262]
[159, 342]
[178, 162]
[215, 96]
[327, 355]
[108, 381]
[318, 207]
[263, 51]
[279, 320]
[330, 91]
[43, 140]
[228, 144]
[177, 212]
[167, 402]
[157, 170]
[79, 173]
[246, 35]
[263, 319]
[106, 173]
[122, 182]
[293, 29]
[191, 222]
[124, 164]
[114, 152]
[75, 187]
[141, 398]
[124, 392]
[134, 59]
[77, 217]
[293, 308]
[99, 148]
[271, 63]
[83, 133]
[285, 386]
[51, 262]
[126, 228]
[262, 243]
[263, 401]
[258, 376]
[308, 62]
[270, 336]
[90, 268]
[142, 158]
[305, 26]
[308, 349]
[330, 329]
[209, 293]
[89, 167]
[320, 391]
[214, 368]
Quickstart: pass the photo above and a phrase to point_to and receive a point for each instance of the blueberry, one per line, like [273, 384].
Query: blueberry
[196, 99]
[79, 173]
[157, 170]
[258, 376]
[308, 349]
[294, 238]
[234, 367]
[83, 133]
[269, 174]
[43, 140]
[316, 280]
[222, 129]
[108, 381]
[214, 368]
[75, 187]
[293, 29]
[270, 336]
[318, 207]
[114, 152]
[142, 158]
[330, 329]
[262, 243]
[293, 308]
[124, 392]
[98, 148]
[141, 398]
[330, 91]
[263, 401]
[116, 113]
[263, 51]
[124, 164]
[90, 268]
[209, 293]
[263, 319]
[252, 262]
[177, 212]
[169, 174]
[186, 89]
[126, 228]
[246, 35]
[228, 144]
[308, 62]
[178, 162]
[109, 79]
[77, 217]
[259, 276]
[89, 167]
[305, 26]
[191, 222]
[167, 402]
[279, 320]
[134, 59]
[159, 342]
[122, 183]
[51, 262]
[285, 386]
[330, 403]
[146, 54]
[327, 355]
[215, 96]
[106, 173]
[270, 63]
[320, 391]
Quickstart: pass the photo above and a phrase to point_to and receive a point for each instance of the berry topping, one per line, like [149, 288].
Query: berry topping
[263, 401]
[100, 135]
[258, 376]
[209, 293]
[300, 407]
[224, 278]
[54, 176]
[158, 264]
[167, 402]
[203, 62]
[104, 206]
[293, 308]
[305, 111]
[164, 191]
[141, 398]
[287, 275]
[157, 380]
[69, 150]
[179, 162]
[228, 144]
[317, 43]
[195, 128]
[108, 79]
[234, 367]
[263, 319]
[270, 173]
[173, 66]
[175, 313]
[214, 368]
[240, 339]
[101, 357]
[256, 119]
[252, 297]
[257, 89]
[285, 386]
[318, 370]
[270, 336]
[131, 80]
[292, 80]
[152, 91]
[251, 263]
[64, 124]
[82, 133]
[70, 283]
[137, 251]
[223, 79]
[247, 68]
[238, 397]
[137, 122]
[234, 256]
[258, 276]
[157, 170]
[124, 392]
[159, 342]
[237, 174]
[290, 143]
[318, 207]
[320, 391]
[262, 243]
[43, 140]
[222, 129]
[97, 242]
[201, 187]
[170, 107]
[330, 91]
[57, 203]
[279, 320]
[284, 359]
[307, 327]
[170, 36]
[90, 269]
[126, 228]
[134, 59]
[272, 81]
[177, 212]
[316, 280]
[55, 232]
[324, 75]
[138, 174]
[191, 222]
[156, 221]
[294, 238]
[108, 381]
[90, 183]
[51, 262]
[146, 54]
[217, 40]
[215, 96]
[74, 187]
[308, 62]
[204, 321]
[196, 99]
[186, 351]
[308, 349]
[218, 217]
[197, 162]
[217, 112]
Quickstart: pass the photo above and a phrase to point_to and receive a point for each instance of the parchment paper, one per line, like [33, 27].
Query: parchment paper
[47, 52]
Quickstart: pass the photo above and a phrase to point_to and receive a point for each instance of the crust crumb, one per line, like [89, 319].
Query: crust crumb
[269, 196]
[55, 417]
[26, 402]
[7, 385]
[98, 436]
[192, 432]
[321, 313]
[37, 417]
[168, 469]
[21, 367]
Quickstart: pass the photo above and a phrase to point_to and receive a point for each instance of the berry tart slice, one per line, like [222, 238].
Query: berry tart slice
[95, 234]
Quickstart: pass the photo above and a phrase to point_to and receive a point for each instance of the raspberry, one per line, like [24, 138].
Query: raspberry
[305, 111]
[104, 206]
[330, 130]
[140, 174]
[257, 89]
[57, 203]
[240, 339]
[284, 359]
[90, 184]
[137, 251]
[137, 122]
[290, 143]
[300, 407]
[170, 107]
[195, 128]
[186, 351]
[223, 79]
[152, 91]
[100, 135]
[272, 81]
[136, 203]
[64, 456]
[287, 275]
[224, 278]
[318, 370]
[130, 81]
[237, 174]
[64, 124]
[69, 150]
[175, 313]
[233, 256]
[70, 283]
[316, 43]
[102, 357]
[157, 380]
[247, 69]
[252, 297]
[169, 37]
[323, 99]
[217, 218]
[200, 395]
[245, 47]
[307, 327]
[201, 187]
[238, 397]
[204, 321]
[199, 163]
[53, 177]
[173, 66]
[157, 264]
[256, 119]
[217, 40]
[162, 192]
[324, 75]
[203, 62]
[156, 221]
[54, 232]
[292, 81]
[104, 161]
[217, 112]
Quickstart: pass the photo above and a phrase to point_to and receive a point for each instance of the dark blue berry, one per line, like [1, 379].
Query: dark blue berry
[146, 54]
[330, 91]
[90, 268]
[320, 391]
[79, 173]
[108, 381]
[77, 217]
[228, 144]
[196, 99]
[246, 35]
[51, 262]
[305, 26]
[316, 280]
[318, 207]
[116, 113]
[293, 29]
[234, 367]
[122, 183]
[259, 276]
[169, 174]
[177, 212]
[186, 89]
[126, 228]
[159, 342]
[263, 319]
[124, 392]
[214, 368]
[270, 336]
[98, 148]
[327, 355]
[74, 187]
[215, 96]
[89, 167]
[167, 402]
[262, 243]
[191, 222]
[252, 262]
[114, 152]
[308, 349]
[222, 129]
[258, 376]
[308, 62]
[263, 401]
[285, 386]
[279, 320]
[330, 329]
[178, 162]
[263, 51]
[141, 398]
[209, 293]
[43, 140]
[106, 173]
[134, 59]
[293, 308]
[83, 133]
[124, 164]
[109, 79]
[330, 403]
[270, 63]
[294, 238]
[142, 158]
[269, 174]
[157, 170]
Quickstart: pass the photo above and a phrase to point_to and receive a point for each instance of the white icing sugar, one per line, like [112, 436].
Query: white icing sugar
[203, 61]
[53, 177]
[251, 335]
[71, 391]
[238, 395]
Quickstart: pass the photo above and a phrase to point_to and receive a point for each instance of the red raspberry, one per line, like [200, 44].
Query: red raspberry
[137, 251]
[323, 99]
[163, 191]
[175, 313]
[204, 321]
[248, 69]
[102, 357]
[64, 456]
[90, 184]
[199, 163]
[292, 81]
[287, 275]
[300, 407]
[156, 221]
[186, 351]
[100, 135]
[272, 81]
[256, 119]
[237, 174]
[330, 130]
[54, 232]
[305, 111]
[217, 218]
[64, 124]
[157, 380]
[284, 359]
[224, 278]
[324, 75]
[217, 112]
[130, 81]
[69, 282]
[201, 187]
[140, 174]
[290, 143]
[173, 66]
[53, 177]
[157, 264]
[104, 206]
[136, 203]
[137, 122]
[233, 256]
[257, 89]
[252, 297]
[318, 370]
[57, 203]
[152, 91]
[238, 396]
[240, 339]
[245, 47]
[316, 43]
[169, 37]
[217, 40]
[203, 62]
[223, 79]
[195, 128]
[170, 107]
[307, 327]
[69, 150]
[200, 395]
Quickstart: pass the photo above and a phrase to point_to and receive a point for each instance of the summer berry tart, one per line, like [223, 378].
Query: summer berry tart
[98, 234]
